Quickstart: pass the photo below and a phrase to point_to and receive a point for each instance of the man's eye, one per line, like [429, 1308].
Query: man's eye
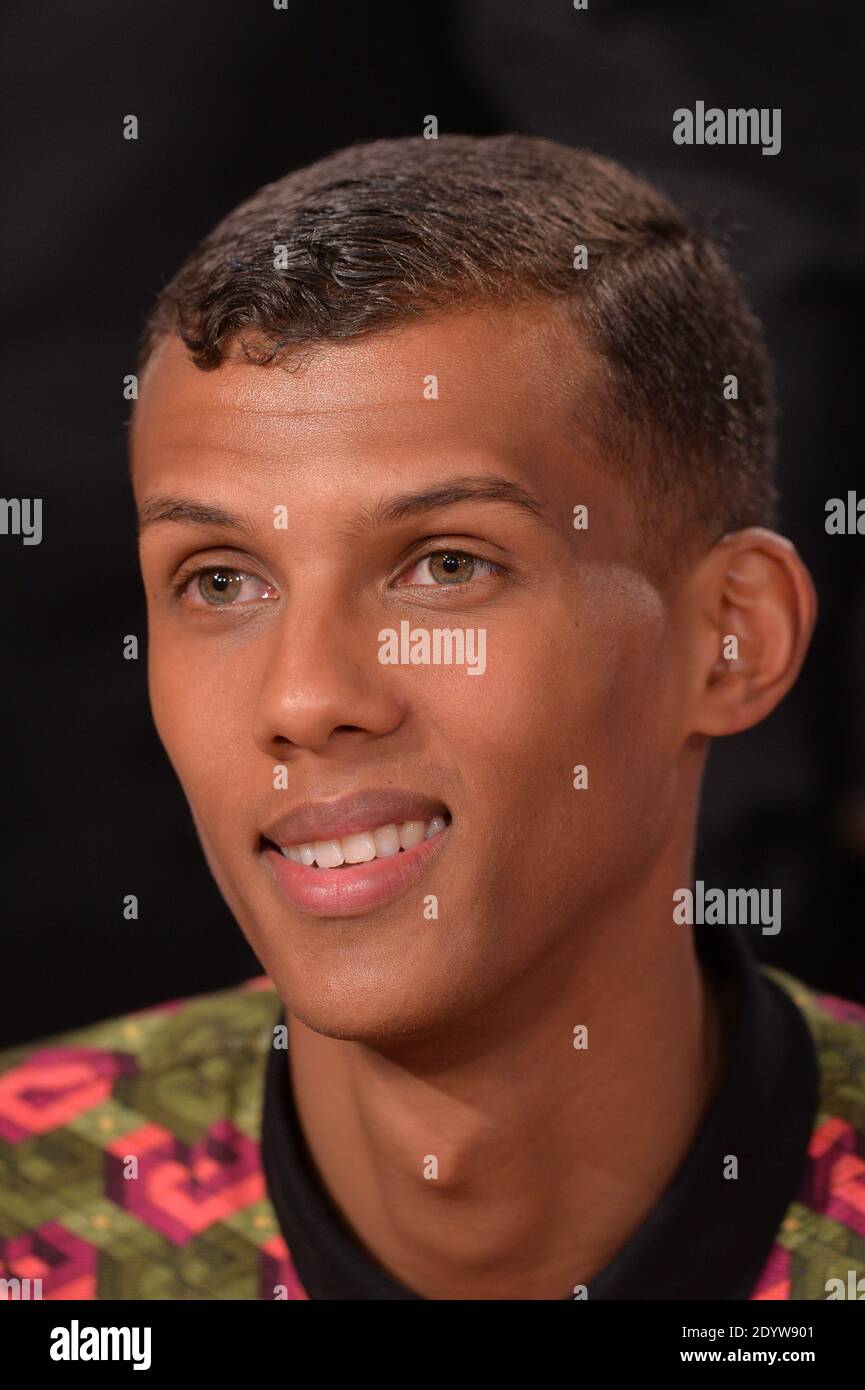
[224, 588]
[445, 567]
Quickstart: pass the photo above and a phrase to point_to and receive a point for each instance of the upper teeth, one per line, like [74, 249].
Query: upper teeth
[367, 844]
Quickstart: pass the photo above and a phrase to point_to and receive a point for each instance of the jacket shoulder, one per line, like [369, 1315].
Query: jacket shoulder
[129, 1153]
[838, 1029]
[820, 1246]
[60, 1076]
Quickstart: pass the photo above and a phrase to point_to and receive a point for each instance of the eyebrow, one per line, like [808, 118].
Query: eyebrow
[483, 488]
[189, 513]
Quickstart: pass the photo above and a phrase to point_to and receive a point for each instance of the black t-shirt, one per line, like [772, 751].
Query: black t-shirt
[706, 1238]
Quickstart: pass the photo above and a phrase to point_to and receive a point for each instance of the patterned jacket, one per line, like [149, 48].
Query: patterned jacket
[177, 1090]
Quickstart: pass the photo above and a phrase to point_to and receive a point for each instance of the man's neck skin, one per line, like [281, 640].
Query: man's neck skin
[549, 1158]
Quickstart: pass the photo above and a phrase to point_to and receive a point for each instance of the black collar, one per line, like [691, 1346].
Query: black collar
[706, 1238]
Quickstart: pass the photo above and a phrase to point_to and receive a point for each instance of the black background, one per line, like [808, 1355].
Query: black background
[230, 95]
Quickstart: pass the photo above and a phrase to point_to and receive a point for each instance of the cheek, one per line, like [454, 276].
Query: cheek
[558, 694]
[195, 708]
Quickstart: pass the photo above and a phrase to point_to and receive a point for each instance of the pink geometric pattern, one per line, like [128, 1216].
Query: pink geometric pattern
[834, 1182]
[844, 1010]
[774, 1281]
[54, 1086]
[180, 1189]
[65, 1264]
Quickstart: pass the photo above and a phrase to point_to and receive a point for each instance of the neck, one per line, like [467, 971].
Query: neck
[501, 1161]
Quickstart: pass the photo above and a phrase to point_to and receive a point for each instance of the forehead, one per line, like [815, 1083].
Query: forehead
[510, 380]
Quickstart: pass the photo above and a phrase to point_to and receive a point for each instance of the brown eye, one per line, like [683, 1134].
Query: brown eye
[447, 567]
[216, 587]
[220, 586]
[450, 567]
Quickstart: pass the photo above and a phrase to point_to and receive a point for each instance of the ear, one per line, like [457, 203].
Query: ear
[754, 609]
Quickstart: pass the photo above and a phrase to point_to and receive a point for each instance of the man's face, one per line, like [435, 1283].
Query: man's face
[285, 727]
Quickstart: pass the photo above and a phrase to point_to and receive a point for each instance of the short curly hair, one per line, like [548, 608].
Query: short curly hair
[384, 232]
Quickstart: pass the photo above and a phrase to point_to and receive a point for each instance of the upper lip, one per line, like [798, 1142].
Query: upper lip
[347, 815]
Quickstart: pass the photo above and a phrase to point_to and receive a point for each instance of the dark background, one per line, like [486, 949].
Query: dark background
[230, 95]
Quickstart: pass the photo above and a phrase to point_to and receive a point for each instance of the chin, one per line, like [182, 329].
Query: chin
[373, 980]
[370, 1005]
[375, 1025]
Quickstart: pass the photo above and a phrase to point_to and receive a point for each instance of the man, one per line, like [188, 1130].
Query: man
[453, 466]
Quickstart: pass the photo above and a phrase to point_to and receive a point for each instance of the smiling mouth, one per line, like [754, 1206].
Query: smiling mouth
[377, 842]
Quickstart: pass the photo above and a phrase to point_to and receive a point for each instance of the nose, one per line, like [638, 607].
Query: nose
[323, 685]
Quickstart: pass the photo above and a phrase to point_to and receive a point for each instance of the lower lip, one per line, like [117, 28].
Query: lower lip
[356, 888]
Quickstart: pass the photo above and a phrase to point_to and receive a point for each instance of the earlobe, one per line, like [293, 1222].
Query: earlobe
[759, 609]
